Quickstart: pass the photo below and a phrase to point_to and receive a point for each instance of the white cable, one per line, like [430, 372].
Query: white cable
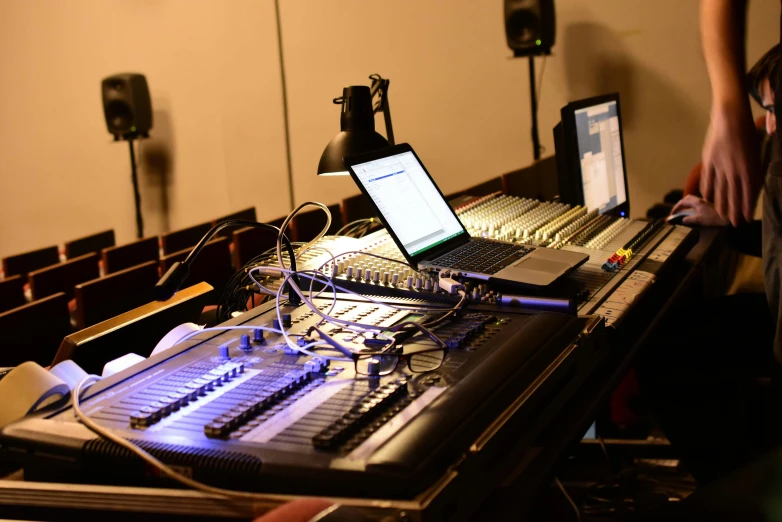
[366, 327]
[340, 322]
[569, 499]
[290, 217]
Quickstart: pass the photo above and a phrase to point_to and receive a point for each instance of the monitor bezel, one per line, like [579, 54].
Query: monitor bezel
[570, 136]
[386, 152]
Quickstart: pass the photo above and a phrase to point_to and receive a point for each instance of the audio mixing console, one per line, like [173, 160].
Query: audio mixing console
[514, 219]
[241, 409]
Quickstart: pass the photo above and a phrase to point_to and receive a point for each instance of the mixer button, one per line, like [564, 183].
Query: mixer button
[215, 429]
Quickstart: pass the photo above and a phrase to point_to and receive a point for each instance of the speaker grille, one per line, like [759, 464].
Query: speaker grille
[119, 116]
[523, 28]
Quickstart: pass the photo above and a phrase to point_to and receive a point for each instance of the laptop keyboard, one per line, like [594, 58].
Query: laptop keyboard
[481, 256]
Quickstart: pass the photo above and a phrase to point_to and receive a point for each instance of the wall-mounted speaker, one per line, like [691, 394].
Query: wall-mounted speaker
[126, 105]
[530, 26]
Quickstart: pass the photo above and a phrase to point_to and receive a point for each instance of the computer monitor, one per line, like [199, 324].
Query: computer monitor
[590, 155]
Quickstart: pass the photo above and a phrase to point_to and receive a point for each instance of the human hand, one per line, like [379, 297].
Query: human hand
[705, 214]
[731, 176]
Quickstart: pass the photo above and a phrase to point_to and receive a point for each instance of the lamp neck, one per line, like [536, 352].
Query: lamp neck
[357, 112]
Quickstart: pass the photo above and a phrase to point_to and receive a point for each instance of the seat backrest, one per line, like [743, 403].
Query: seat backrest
[89, 244]
[251, 242]
[22, 264]
[64, 276]
[212, 265]
[131, 254]
[182, 239]
[105, 297]
[357, 207]
[248, 214]
[136, 331]
[34, 331]
[306, 225]
[11, 292]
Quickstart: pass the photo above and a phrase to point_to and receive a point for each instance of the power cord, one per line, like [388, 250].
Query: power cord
[569, 499]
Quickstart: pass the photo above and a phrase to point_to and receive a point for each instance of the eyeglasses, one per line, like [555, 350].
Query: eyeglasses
[385, 362]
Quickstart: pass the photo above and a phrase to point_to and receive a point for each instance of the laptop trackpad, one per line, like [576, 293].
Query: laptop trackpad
[542, 265]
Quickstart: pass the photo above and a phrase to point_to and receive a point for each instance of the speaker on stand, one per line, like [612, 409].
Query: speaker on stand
[530, 30]
[128, 111]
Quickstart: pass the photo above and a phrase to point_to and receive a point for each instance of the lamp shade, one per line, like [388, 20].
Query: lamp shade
[357, 131]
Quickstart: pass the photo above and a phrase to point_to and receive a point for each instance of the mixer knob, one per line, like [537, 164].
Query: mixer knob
[409, 282]
[428, 285]
[258, 336]
[286, 320]
[436, 287]
[376, 277]
[223, 351]
[349, 272]
[395, 279]
[418, 283]
[244, 343]
[276, 324]
[385, 278]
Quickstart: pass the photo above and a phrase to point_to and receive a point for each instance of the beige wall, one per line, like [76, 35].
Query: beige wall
[213, 69]
[213, 72]
[463, 103]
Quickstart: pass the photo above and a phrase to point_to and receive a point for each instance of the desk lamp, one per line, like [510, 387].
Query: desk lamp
[357, 125]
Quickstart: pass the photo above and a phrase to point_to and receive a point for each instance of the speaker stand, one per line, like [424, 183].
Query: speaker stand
[136, 194]
[534, 103]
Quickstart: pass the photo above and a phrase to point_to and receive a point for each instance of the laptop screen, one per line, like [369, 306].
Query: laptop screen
[409, 201]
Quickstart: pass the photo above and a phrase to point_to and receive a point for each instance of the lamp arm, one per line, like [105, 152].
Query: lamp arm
[387, 118]
[380, 85]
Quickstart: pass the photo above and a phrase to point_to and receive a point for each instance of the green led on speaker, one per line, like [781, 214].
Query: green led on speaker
[538, 42]
[133, 129]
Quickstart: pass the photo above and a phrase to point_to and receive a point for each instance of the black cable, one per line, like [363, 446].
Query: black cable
[168, 285]
[240, 287]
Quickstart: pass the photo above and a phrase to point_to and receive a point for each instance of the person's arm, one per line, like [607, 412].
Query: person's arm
[731, 175]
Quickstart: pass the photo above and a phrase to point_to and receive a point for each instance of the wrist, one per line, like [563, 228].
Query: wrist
[728, 99]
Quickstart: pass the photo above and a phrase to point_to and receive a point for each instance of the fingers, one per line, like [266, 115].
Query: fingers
[733, 200]
[707, 180]
[687, 202]
[719, 191]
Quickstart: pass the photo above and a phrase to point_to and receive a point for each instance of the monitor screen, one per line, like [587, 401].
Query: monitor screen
[410, 203]
[600, 156]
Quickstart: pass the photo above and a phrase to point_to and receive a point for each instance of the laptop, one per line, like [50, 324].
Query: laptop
[430, 235]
